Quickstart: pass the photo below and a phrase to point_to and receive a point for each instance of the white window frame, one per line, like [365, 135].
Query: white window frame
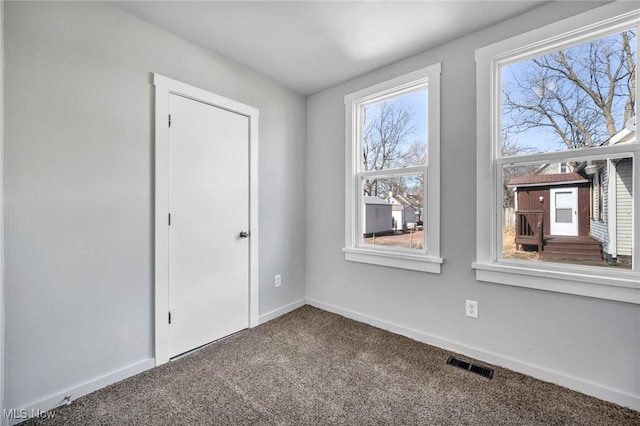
[598, 282]
[428, 259]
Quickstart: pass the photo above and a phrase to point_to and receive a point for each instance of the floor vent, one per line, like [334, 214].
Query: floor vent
[478, 369]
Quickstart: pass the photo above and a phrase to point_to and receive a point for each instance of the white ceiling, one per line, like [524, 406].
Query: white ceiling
[309, 46]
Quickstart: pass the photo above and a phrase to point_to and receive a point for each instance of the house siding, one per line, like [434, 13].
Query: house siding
[529, 199]
[599, 228]
[624, 193]
[377, 218]
[624, 217]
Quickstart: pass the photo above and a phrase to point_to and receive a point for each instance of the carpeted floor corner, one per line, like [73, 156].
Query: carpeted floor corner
[312, 367]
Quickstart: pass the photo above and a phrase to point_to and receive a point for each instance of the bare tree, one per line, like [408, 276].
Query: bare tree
[511, 147]
[387, 129]
[415, 154]
[584, 94]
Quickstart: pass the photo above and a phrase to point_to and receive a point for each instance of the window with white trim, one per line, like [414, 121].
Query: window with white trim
[562, 95]
[392, 183]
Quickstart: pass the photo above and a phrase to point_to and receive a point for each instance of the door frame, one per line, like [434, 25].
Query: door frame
[575, 225]
[165, 86]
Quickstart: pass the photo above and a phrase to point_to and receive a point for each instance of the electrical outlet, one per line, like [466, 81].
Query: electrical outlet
[278, 280]
[472, 308]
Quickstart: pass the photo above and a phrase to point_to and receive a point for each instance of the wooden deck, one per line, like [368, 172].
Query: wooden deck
[529, 228]
[578, 248]
[530, 232]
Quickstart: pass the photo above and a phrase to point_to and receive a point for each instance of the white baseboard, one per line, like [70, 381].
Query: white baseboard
[49, 403]
[281, 311]
[575, 383]
[539, 372]
[40, 408]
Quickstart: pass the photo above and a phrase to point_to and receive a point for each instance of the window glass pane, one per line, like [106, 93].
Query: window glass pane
[563, 199]
[547, 216]
[578, 97]
[564, 215]
[600, 200]
[393, 212]
[394, 132]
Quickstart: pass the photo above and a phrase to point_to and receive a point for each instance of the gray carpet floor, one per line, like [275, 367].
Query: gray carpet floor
[311, 367]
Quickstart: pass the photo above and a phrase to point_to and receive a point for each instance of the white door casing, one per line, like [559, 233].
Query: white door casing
[169, 94]
[564, 211]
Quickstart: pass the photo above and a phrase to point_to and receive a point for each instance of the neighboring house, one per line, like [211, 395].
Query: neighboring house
[612, 196]
[377, 216]
[592, 199]
[418, 203]
[555, 168]
[562, 198]
[406, 211]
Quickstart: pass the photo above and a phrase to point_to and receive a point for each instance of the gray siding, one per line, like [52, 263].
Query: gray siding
[599, 228]
[624, 213]
[377, 218]
[624, 194]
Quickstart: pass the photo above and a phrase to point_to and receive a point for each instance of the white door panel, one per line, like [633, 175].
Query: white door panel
[209, 206]
[564, 211]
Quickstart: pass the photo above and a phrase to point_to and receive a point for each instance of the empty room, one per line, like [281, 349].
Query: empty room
[319, 212]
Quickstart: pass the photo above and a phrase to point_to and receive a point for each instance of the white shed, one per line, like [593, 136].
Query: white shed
[377, 216]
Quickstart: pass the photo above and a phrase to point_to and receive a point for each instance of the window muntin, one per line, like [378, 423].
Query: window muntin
[393, 139]
[392, 183]
[567, 101]
[494, 156]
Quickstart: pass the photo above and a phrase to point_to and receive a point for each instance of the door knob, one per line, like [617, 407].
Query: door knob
[244, 234]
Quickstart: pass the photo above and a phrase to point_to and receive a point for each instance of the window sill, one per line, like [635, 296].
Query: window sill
[414, 262]
[622, 286]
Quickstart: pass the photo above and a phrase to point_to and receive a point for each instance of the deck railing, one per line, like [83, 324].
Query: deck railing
[529, 228]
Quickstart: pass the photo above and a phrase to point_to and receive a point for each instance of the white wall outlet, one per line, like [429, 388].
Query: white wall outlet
[278, 280]
[472, 308]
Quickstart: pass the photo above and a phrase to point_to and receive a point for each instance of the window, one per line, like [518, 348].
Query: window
[563, 167]
[600, 200]
[556, 124]
[392, 179]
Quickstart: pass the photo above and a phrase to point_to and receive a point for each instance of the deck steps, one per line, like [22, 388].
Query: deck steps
[579, 248]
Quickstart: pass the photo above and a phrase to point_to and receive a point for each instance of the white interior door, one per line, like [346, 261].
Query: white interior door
[209, 207]
[564, 211]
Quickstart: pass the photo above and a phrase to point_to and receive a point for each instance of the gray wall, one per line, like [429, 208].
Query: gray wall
[2, 327]
[78, 209]
[584, 343]
[78, 184]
